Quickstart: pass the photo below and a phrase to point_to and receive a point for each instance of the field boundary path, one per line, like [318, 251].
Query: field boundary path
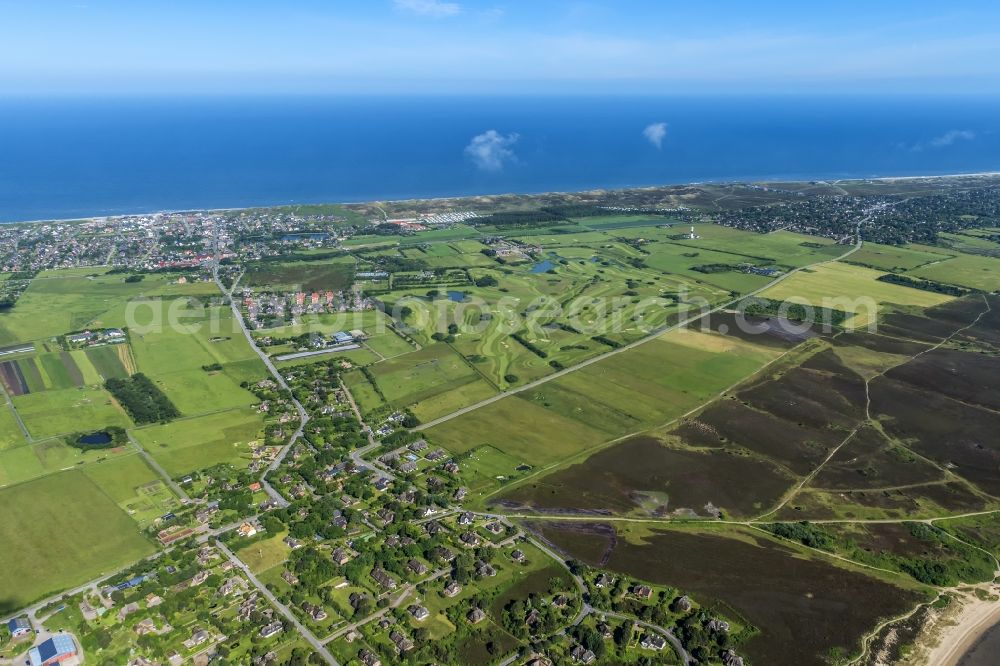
[652, 336]
[17, 416]
[157, 468]
[357, 455]
[869, 422]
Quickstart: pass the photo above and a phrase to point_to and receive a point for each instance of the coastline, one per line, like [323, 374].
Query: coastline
[957, 635]
[747, 181]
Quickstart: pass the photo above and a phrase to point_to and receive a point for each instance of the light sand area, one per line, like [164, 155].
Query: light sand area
[953, 634]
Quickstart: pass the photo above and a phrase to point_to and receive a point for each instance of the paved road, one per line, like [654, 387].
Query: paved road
[586, 608]
[652, 336]
[357, 455]
[303, 415]
[308, 635]
[404, 594]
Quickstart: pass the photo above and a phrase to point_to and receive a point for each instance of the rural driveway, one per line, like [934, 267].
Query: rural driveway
[308, 635]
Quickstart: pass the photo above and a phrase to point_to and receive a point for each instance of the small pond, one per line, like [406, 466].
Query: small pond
[95, 439]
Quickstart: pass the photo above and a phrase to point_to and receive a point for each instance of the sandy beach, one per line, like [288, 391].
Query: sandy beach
[955, 634]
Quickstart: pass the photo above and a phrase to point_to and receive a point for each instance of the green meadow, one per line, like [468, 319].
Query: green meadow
[64, 411]
[629, 392]
[965, 270]
[134, 487]
[66, 300]
[65, 526]
[174, 356]
[189, 444]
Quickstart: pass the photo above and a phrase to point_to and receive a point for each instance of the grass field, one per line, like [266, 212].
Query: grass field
[839, 286]
[72, 532]
[23, 463]
[107, 361]
[64, 411]
[134, 487]
[60, 370]
[190, 444]
[10, 432]
[173, 357]
[65, 300]
[265, 554]
[966, 270]
[629, 392]
[894, 258]
[421, 379]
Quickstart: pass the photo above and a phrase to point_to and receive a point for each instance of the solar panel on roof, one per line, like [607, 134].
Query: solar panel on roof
[59, 644]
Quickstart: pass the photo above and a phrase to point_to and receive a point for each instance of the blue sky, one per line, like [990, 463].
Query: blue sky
[458, 46]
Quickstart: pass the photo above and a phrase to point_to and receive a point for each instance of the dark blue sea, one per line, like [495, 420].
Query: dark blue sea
[74, 157]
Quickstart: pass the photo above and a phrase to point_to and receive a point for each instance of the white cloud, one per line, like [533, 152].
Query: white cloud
[655, 133]
[490, 151]
[951, 137]
[435, 8]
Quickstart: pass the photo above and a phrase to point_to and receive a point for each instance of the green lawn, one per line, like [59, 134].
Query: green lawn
[635, 390]
[60, 531]
[173, 356]
[966, 270]
[841, 286]
[10, 432]
[134, 487]
[265, 554]
[532, 434]
[893, 257]
[64, 411]
[65, 300]
[107, 362]
[29, 461]
[434, 381]
[189, 444]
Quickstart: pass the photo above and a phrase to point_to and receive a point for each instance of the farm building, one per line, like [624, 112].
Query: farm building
[56, 650]
[77, 338]
[19, 626]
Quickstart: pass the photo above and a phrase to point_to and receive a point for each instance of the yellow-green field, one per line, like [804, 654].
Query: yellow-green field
[966, 270]
[894, 257]
[65, 411]
[134, 487]
[629, 392]
[852, 289]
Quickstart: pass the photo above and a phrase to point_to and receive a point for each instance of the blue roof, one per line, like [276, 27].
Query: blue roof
[133, 582]
[56, 646]
[18, 623]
